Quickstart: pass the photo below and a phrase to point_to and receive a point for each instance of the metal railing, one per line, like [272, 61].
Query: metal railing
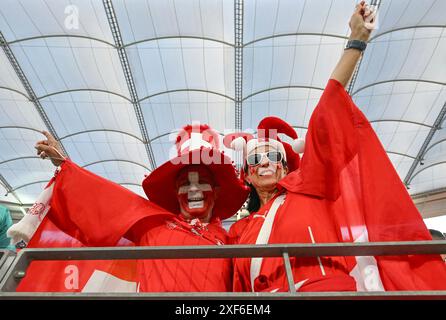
[6, 259]
[18, 269]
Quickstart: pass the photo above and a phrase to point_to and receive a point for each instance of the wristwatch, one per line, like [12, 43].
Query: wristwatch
[356, 44]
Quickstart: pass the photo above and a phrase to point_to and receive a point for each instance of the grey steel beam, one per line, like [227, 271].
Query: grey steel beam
[16, 91]
[8, 188]
[30, 91]
[178, 37]
[300, 127]
[103, 130]
[397, 80]
[21, 127]
[117, 160]
[187, 90]
[403, 121]
[351, 85]
[119, 44]
[26, 256]
[390, 248]
[434, 144]
[238, 62]
[85, 89]
[282, 87]
[11, 190]
[15, 204]
[423, 169]
[129, 184]
[19, 158]
[352, 82]
[29, 184]
[60, 36]
[400, 154]
[296, 34]
[436, 126]
[218, 40]
[289, 272]
[407, 28]
[6, 259]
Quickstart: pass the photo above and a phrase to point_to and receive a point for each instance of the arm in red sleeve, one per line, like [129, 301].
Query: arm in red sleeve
[331, 142]
[94, 210]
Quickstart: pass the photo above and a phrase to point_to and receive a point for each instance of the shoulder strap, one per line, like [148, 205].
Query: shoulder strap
[263, 236]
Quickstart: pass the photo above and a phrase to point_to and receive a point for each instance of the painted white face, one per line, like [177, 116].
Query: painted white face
[268, 171]
[194, 191]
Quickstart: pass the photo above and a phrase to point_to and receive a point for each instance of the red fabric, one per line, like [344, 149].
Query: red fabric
[58, 276]
[237, 228]
[213, 275]
[346, 183]
[98, 212]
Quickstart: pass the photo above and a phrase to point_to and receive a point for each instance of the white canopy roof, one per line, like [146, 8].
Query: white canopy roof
[115, 79]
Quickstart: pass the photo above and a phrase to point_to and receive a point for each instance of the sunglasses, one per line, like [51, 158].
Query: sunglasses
[256, 158]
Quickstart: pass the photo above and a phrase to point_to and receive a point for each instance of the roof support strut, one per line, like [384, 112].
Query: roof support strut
[113, 22]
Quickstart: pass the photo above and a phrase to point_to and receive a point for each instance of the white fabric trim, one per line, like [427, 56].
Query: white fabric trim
[318, 258]
[263, 236]
[299, 284]
[296, 286]
[366, 272]
[101, 281]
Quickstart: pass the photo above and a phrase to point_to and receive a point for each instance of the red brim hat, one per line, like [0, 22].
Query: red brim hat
[160, 185]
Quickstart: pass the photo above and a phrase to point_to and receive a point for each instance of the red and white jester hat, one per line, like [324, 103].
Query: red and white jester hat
[267, 134]
[197, 144]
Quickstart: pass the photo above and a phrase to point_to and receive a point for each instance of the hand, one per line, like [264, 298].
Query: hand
[50, 148]
[361, 22]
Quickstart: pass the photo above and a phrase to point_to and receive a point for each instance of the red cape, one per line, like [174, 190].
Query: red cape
[345, 190]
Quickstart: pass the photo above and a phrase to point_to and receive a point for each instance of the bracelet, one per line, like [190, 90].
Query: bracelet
[356, 44]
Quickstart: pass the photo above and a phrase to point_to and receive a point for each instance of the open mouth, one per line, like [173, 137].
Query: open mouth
[195, 199]
[267, 172]
[196, 203]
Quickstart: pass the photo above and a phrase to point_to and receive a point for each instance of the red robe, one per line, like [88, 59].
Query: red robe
[98, 212]
[346, 190]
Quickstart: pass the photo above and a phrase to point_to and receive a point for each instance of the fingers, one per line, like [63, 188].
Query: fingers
[42, 142]
[42, 148]
[370, 21]
[360, 7]
[49, 136]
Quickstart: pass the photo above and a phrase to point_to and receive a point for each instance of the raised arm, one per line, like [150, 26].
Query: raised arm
[359, 24]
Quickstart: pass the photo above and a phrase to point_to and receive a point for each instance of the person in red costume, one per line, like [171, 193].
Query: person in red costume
[344, 189]
[189, 196]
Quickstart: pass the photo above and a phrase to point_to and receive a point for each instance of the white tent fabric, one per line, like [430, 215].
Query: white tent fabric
[115, 79]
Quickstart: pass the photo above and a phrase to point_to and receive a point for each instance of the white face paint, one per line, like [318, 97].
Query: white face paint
[195, 191]
[268, 171]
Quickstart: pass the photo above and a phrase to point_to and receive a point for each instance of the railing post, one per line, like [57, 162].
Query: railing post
[6, 259]
[289, 272]
[16, 272]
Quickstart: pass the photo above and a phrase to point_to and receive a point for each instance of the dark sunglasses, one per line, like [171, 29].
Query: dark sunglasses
[256, 158]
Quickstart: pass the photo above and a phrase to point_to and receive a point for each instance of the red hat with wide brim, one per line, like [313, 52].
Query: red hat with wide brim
[160, 185]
